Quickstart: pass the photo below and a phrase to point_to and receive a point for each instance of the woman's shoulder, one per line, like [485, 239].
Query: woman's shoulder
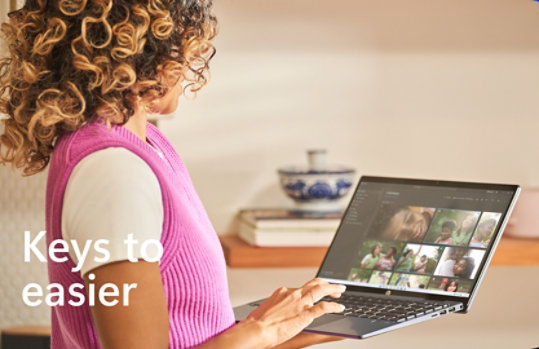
[90, 137]
[101, 202]
[95, 136]
[105, 170]
[113, 158]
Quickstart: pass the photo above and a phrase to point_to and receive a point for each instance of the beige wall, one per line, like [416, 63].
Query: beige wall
[421, 88]
[418, 88]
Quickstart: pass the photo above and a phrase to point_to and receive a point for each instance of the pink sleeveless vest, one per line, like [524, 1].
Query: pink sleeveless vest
[192, 267]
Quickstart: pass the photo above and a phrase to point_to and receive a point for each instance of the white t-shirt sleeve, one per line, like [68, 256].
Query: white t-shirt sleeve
[112, 193]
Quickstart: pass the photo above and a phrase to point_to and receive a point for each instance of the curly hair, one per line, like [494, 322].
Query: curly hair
[72, 60]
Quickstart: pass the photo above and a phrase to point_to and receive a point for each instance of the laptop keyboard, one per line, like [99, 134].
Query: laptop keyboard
[379, 308]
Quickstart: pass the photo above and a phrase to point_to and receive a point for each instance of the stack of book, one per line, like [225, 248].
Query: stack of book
[283, 227]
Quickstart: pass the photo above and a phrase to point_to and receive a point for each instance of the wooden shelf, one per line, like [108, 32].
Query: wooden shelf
[238, 254]
[516, 251]
[44, 331]
[37, 337]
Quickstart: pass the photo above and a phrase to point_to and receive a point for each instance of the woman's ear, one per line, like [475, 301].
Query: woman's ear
[153, 106]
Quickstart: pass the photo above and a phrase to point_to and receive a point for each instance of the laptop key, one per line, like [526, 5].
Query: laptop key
[383, 308]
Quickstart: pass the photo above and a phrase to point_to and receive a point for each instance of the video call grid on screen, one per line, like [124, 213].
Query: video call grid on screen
[417, 238]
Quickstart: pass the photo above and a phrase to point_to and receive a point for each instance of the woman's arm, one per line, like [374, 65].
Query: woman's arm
[378, 264]
[393, 261]
[365, 260]
[141, 324]
[419, 265]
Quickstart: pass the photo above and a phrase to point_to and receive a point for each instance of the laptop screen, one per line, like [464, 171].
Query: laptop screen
[420, 236]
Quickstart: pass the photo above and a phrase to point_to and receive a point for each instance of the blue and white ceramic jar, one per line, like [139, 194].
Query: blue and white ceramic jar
[317, 187]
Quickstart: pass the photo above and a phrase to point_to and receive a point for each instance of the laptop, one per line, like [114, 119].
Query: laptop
[409, 251]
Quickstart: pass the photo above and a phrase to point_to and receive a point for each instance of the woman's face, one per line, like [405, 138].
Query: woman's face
[390, 253]
[446, 233]
[452, 287]
[376, 250]
[484, 230]
[459, 253]
[406, 225]
[460, 267]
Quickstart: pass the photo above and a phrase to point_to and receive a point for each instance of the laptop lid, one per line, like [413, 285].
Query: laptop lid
[431, 239]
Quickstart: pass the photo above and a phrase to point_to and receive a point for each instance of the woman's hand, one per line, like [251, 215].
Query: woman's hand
[288, 311]
[279, 320]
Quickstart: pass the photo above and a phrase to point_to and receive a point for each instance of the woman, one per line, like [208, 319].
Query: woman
[463, 233]
[407, 223]
[451, 256]
[452, 286]
[80, 79]
[407, 260]
[481, 237]
[370, 260]
[464, 267]
[387, 261]
[420, 266]
[445, 234]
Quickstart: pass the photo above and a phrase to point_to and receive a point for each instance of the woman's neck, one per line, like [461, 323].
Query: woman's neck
[137, 123]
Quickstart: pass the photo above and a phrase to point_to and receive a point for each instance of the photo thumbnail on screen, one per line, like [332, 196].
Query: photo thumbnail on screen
[359, 275]
[450, 285]
[452, 227]
[404, 223]
[380, 277]
[409, 280]
[376, 254]
[485, 229]
[459, 262]
[420, 259]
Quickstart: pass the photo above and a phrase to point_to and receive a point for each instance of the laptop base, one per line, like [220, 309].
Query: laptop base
[357, 327]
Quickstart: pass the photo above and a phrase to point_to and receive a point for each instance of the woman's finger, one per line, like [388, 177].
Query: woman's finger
[325, 308]
[313, 282]
[319, 291]
[335, 295]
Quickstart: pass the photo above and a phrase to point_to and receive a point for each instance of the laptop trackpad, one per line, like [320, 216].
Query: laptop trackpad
[347, 326]
[325, 319]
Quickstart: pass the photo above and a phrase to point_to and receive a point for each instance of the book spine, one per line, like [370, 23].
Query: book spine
[320, 224]
[284, 237]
